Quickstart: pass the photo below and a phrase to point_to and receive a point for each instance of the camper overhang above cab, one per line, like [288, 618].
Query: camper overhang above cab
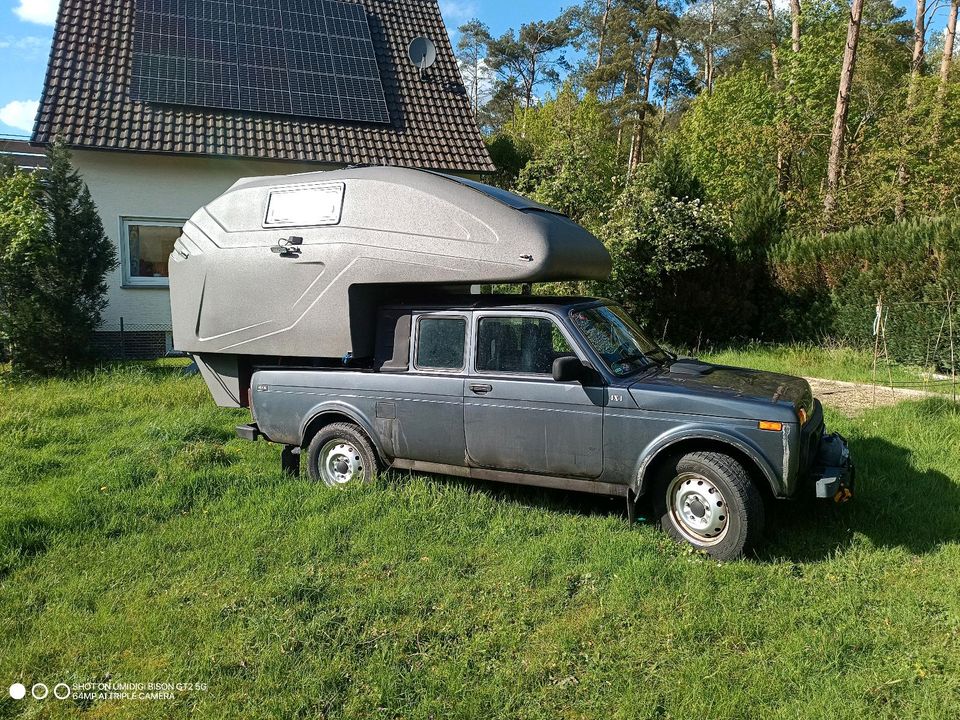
[296, 265]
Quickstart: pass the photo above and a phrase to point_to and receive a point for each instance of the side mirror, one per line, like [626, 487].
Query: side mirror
[568, 368]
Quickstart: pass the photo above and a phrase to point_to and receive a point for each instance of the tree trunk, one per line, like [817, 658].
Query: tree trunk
[530, 82]
[949, 37]
[948, 41]
[708, 50]
[916, 68]
[640, 131]
[795, 25]
[919, 38]
[602, 34]
[840, 112]
[666, 87]
[475, 90]
[771, 16]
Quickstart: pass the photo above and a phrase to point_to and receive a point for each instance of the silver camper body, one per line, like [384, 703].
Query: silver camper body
[296, 266]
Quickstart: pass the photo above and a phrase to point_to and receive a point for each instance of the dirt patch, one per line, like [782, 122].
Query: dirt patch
[855, 398]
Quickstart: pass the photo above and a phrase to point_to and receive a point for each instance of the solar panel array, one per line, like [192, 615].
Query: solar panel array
[312, 58]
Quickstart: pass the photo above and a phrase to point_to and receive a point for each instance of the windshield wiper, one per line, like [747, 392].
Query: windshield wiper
[633, 357]
[668, 356]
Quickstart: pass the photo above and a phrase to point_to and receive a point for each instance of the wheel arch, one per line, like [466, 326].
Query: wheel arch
[761, 472]
[334, 412]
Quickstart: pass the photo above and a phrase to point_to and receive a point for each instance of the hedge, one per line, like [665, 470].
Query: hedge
[913, 265]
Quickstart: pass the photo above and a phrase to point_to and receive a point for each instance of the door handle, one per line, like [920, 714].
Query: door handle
[288, 247]
[481, 389]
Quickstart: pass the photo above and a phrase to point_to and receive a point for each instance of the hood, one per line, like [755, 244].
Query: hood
[694, 378]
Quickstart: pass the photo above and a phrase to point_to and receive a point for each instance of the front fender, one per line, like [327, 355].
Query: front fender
[725, 436]
[339, 407]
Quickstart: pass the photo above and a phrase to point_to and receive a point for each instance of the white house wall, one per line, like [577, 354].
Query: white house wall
[158, 186]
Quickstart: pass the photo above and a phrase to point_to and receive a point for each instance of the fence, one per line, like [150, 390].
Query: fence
[130, 341]
[924, 333]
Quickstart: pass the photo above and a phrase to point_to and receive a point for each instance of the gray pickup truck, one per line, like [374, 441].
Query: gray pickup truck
[333, 305]
[566, 393]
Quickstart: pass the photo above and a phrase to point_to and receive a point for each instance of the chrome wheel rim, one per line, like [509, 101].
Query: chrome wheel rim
[698, 509]
[339, 463]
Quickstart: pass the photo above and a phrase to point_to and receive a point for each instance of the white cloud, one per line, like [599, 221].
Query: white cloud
[19, 114]
[38, 11]
[26, 48]
[454, 12]
[486, 76]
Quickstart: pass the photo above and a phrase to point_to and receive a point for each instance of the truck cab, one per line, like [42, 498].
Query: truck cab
[557, 392]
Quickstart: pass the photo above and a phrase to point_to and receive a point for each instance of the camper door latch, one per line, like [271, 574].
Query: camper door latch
[288, 247]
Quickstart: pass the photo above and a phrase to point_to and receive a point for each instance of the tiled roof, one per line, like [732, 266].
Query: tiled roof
[85, 99]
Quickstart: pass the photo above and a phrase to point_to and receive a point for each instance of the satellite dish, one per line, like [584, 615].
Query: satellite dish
[423, 53]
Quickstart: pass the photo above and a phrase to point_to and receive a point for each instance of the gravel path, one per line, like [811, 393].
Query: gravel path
[855, 398]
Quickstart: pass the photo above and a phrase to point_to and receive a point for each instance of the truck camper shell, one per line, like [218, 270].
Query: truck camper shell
[296, 266]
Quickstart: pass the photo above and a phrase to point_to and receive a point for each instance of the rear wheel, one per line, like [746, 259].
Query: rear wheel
[340, 454]
[707, 499]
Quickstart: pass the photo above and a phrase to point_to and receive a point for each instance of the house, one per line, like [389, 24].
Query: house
[166, 103]
[21, 154]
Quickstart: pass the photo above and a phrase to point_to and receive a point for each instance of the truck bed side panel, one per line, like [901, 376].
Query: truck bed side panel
[412, 416]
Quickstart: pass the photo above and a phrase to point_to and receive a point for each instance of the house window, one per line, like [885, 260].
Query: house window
[146, 244]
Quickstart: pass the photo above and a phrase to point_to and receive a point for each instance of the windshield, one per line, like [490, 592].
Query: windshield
[616, 339]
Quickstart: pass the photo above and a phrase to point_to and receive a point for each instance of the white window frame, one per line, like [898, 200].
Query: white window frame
[133, 281]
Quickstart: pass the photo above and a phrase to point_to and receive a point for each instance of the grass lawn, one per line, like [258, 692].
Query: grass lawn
[834, 363]
[141, 542]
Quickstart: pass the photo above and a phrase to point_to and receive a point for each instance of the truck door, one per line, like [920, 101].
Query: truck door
[516, 417]
[429, 397]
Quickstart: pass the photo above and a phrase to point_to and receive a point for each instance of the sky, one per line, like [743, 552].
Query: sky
[26, 31]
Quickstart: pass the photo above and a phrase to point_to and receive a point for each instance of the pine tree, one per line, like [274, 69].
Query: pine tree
[54, 257]
[471, 48]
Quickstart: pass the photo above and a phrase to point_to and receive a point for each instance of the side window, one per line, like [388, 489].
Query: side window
[519, 345]
[440, 342]
[147, 244]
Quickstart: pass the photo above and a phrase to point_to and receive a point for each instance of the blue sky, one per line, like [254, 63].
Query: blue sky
[26, 30]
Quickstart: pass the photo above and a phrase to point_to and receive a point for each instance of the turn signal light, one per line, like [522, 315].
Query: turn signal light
[802, 415]
[770, 425]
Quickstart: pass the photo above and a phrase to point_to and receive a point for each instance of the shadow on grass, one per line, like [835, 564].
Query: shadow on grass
[549, 499]
[897, 505]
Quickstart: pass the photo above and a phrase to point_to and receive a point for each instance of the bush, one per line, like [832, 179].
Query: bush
[913, 265]
[54, 257]
[675, 268]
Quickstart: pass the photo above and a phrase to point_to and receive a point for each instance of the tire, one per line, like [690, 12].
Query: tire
[340, 454]
[706, 499]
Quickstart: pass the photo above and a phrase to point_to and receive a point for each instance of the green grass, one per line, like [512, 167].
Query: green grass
[834, 363]
[141, 542]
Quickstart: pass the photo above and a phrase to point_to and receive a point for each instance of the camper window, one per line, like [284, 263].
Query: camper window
[145, 245]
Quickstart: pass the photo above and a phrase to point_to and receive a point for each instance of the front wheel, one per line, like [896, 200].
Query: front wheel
[340, 454]
[707, 499]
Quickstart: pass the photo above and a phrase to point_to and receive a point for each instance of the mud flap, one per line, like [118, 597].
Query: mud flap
[290, 460]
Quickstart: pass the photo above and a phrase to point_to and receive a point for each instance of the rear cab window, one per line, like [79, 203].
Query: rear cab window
[440, 343]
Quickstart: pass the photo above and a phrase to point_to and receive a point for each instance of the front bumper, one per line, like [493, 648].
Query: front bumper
[833, 470]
